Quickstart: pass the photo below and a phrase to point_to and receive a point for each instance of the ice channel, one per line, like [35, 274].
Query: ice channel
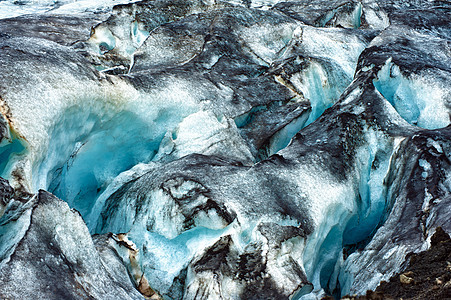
[344, 230]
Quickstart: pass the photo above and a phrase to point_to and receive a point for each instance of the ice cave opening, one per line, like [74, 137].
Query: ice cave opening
[88, 149]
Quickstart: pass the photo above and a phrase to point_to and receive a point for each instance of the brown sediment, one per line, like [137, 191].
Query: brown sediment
[21, 192]
[137, 274]
[427, 275]
[5, 110]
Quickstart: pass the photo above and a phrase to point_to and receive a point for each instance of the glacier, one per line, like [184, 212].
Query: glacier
[209, 149]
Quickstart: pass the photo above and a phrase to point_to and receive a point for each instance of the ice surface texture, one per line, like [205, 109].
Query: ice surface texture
[220, 149]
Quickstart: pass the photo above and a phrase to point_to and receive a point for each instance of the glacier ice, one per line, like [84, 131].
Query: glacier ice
[366, 200]
[417, 88]
[220, 149]
[324, 14]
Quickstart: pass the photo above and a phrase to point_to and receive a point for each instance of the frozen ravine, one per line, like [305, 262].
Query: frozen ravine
[221, 149]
